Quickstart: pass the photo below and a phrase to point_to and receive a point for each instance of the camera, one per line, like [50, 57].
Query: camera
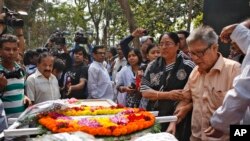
[80, 39]
[10, 18]
[143, 67]
[58, 38]
[13, 74]
[133, 86]
[145, 32]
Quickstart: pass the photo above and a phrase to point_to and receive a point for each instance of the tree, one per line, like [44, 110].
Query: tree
[129, 15]
[111, 20]
[96, 9]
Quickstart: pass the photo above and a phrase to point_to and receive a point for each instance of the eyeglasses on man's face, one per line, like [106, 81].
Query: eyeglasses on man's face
[200, 53]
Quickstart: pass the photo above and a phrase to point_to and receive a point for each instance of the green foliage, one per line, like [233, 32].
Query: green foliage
[198, 20]
[106, 18]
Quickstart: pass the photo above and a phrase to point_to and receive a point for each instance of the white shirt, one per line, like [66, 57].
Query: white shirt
[40, 89]
[99, 84]
[124, 78]
[237, 100]
[118, 64]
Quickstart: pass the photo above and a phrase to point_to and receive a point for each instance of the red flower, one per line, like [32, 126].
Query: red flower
[134, 117]
[112, 128]
[62, 125]
[119, 106]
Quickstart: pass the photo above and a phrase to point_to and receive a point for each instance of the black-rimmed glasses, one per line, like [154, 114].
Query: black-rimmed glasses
[200, 53]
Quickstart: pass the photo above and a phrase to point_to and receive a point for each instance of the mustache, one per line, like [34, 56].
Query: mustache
[47, 71]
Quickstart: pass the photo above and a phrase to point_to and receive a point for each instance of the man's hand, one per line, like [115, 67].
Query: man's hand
[211, 132]
[172, 128]
[226, 32]
[138, 32]
[27, 101]
[3, 81]
[182, 111]
[2, 25]
[246, 23]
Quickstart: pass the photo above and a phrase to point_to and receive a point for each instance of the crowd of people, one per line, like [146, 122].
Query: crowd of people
[181, 74]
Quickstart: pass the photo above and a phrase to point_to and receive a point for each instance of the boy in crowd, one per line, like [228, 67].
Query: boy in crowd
[11, 77]
[76, 76]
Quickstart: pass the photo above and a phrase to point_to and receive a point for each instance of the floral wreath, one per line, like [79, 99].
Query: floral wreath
[114, 121]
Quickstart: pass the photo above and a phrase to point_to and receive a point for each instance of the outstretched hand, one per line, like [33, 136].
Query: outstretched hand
[182, 111]
[172, 128]
[3, 81]
[138, 32]
[27, 101]
[226, 32]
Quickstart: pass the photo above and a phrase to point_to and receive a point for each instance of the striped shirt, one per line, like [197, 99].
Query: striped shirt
[13, 95]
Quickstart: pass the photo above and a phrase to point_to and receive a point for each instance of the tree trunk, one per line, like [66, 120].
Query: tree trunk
[107, 17]
[105, 35]
[97, 39]
[190, 6]
[96, 18]
[130, 18]
[1, 6]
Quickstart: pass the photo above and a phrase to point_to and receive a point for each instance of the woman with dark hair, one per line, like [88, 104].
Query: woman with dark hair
[152, 52]
[126, 80]
[168, 72]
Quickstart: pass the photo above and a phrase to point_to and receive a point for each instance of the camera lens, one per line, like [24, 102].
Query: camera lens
[145, 32]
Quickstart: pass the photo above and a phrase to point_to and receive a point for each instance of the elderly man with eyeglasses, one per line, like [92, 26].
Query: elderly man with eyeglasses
[207, 84]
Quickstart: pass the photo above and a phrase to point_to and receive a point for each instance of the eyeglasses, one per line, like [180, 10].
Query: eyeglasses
[102, 53]
[166, 44]
[200, 53]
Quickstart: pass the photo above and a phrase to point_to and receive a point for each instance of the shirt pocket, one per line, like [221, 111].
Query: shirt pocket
[216, 97]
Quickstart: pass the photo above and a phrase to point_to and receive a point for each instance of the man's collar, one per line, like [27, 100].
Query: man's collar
[219, 63]
[39, 74]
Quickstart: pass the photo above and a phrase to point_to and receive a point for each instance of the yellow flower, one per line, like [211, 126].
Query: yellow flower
[105, 122]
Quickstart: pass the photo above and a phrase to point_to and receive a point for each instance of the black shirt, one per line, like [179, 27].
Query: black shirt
[76, 73]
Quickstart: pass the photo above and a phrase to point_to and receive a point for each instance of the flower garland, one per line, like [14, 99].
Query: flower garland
[87, 110]
[127, 121]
